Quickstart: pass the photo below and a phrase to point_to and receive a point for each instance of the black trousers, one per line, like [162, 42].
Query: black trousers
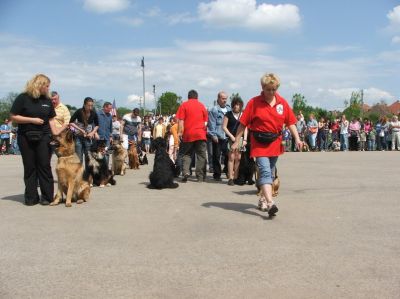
[219, 149]
[35, 157]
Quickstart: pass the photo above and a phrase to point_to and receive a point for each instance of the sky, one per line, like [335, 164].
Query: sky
[323, 50]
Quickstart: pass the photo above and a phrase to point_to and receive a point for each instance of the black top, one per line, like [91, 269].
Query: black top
[233, 123]
[25, 105]
[93, 120]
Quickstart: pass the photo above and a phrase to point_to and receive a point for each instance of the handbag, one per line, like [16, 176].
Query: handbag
[265, 137]
[34, 135]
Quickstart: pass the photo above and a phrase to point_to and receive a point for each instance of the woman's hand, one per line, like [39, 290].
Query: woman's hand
[299, 145]
[37, 121]
[235, 146]
[233, 138]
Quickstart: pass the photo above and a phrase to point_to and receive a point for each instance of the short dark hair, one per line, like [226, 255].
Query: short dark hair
[237, 100]
[106, 104]
[136, 110]
[193, 94]
[54, 93]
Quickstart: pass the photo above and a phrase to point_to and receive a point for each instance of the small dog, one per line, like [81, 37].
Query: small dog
[276, 183]
[133, 156]
[336, 146]
[163, 172]
[97, 166]
[69, 171]
[142, 157]
[305, 147]
[118, 158]
[247, 168]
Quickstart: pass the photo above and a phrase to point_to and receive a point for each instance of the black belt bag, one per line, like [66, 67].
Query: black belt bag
[34, 135]
[265, 137]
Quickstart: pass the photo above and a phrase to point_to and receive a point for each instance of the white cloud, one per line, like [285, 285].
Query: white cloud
[134, 22]
[246, 13]
[153, 12]
[137, 100]
[236, 67]
[394, 18]
[105, 6]
[338, 48]
[209, 82]
[396, 39]
[180, 18]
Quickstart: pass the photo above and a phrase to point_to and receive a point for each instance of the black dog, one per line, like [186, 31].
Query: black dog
[162, 175]
[247, 168]
[97, 170]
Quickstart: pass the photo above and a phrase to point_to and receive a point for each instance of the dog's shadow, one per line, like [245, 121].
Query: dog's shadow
[18, 198]
[244, 208]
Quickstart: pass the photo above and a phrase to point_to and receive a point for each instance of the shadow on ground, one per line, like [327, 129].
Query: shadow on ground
[244, 208]
[18, 198]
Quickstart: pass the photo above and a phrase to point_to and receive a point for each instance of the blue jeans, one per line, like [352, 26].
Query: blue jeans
[312, 138]
[82, 146]
[344, 142]
[266, 166]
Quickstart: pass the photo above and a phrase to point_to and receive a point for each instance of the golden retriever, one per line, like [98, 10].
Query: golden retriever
[118, 158]
[133, 156]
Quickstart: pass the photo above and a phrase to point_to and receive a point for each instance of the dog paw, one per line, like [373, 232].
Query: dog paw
[101, 186]
[68, 205]
[108, 185]
[79, 201]
[54, 203]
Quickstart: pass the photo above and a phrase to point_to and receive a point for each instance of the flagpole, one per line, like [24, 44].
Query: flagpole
[144, 89]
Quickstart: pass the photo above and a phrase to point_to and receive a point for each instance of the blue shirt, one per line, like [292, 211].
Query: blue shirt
[105, 125]
[5, 127]
[215, 120]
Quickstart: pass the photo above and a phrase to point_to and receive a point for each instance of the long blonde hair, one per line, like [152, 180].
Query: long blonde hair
[34, 85]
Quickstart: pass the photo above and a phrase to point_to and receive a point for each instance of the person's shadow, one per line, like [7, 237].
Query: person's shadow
[18, 198]
[244, 208]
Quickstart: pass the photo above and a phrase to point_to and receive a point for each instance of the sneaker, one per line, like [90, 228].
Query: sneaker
[262, 205]
[273, 209]
[218, 179]
[185, 178]
[231, 183]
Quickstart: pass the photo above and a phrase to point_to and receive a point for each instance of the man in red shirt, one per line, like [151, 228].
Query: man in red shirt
[192, 128]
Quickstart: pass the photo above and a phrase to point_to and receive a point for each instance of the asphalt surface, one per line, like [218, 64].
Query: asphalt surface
[337, 235]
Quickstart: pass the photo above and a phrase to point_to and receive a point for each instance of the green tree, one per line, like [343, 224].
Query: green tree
[299, 103]
[5, 105]
[354, 106]
[121, 111]
[169, 102]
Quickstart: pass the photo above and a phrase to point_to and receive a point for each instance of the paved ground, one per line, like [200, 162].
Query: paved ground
[337, 235]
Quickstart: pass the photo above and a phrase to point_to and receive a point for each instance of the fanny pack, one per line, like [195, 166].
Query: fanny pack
[265, 137]
[34, 135]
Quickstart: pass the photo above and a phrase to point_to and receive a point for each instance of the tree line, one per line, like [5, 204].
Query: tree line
[169, 102]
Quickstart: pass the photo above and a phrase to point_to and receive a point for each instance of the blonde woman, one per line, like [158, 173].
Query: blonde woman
[230, 125]
[265, 116]
[34, 113]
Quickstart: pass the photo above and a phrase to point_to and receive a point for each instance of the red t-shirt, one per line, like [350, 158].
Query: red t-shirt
[261, 116]
[194, 114]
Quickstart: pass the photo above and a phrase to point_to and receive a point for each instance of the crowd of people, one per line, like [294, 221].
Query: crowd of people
[196, 137]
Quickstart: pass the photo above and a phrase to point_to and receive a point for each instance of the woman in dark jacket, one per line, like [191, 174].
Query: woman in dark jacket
[34, 113]
[86, 124]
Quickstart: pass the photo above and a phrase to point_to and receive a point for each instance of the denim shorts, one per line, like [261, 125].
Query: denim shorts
[266, 165]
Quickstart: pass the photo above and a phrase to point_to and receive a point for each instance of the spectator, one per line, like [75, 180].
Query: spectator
[146, 134]
[105, 124]
[218, 137]
[265, 116]
[159, 129]
[131, 128]
[63, 115]
[301, 127]
[173, 140]
[395, 127]
[192, 123]
[5, 130]
[344, 132]
[354, 131]
[85, 123]
[312, 126]
[116, 128]
[230, 126]
[34, 113]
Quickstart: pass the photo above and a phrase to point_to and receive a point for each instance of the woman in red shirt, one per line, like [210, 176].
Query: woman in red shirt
[267, 113]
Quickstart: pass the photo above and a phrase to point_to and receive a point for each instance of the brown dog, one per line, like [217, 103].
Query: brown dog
[305, 147]
[133, 156]
[275, 184]
[118, 158]
[69, 172]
